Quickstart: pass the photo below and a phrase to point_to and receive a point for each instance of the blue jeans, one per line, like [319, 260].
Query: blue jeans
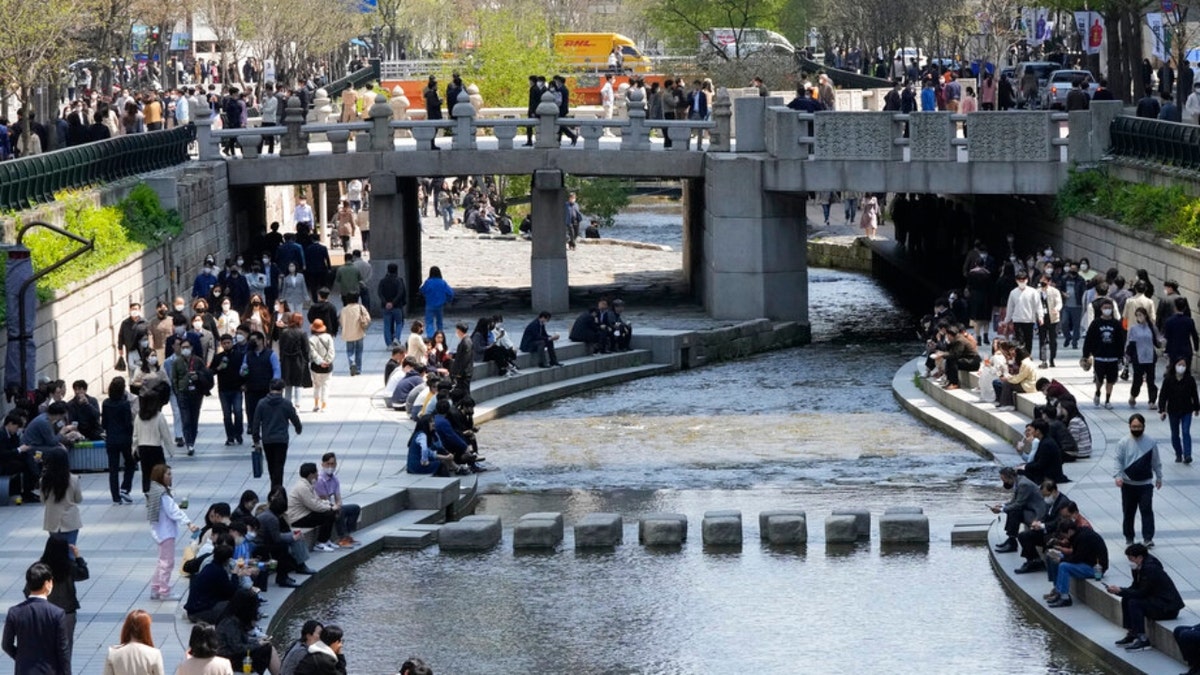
[393, 324]
[1181, 434]
[433, 315]
[347, 520]
[354, 350]
[1066, 570]
[825, 209]
[1069, 324]
[189, 408]
[231, 413]
[364, 298]
[447, 217]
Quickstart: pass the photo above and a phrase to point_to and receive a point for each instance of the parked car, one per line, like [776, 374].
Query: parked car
[1054, 94]
[1041, 71]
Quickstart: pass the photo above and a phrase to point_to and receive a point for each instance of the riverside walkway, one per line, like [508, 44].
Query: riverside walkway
[371, 445]
[1095, 623]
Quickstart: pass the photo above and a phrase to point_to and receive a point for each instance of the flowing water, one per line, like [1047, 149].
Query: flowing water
[813, 428]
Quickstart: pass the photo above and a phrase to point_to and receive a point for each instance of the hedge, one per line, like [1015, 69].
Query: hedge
[1166, 211]
[136, 223]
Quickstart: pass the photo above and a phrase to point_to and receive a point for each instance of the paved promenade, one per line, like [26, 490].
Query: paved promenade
[1176, 507]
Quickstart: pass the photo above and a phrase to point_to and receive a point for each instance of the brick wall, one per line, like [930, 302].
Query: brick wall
[1108, 244]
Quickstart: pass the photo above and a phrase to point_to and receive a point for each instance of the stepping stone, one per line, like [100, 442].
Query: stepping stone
[472, 533]
[722, 528]
[599, 530]
[783, 528]
[902, 509]
[662, 529]
[862, 520]
[538, 530]
[841, 529]
[904, 528]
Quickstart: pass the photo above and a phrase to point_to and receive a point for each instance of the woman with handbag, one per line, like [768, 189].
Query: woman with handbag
[321, 353]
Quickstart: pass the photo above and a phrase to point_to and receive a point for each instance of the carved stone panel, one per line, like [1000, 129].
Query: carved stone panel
[929, 135]
[856, 135]
[1010, 136]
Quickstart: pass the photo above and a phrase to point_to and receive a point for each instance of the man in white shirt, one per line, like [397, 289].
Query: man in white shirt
[302, 216]
[1024, 311]
[182, 110]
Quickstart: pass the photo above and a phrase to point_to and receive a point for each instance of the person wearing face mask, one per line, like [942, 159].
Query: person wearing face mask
[271, 271]
[329, 488]
[236, 288]
[306, 509]
[202, 341]
[131, 333]
[205, 280]
[228, 320]
[1178, 402]
[1045, 459]
[1151, 595]
[1085, 269]
[1141, 301]
[226, 367]
[1051, 302]
[191, 381]
[1078, 552]
[1072, 288]
[1104, 344]
[1040, 531]
[148, 375]
[1138, 473]
[260, 366]
[1141, 350]
[162, 327]
[200, 311]
[1024, 311]
[293, 289]
[178, 309]
[257, 281]
[1025, 506]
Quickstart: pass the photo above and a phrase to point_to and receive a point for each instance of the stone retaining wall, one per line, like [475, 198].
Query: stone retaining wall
[842, 255]
[76, 332]
[743, 340]
[1109, 244]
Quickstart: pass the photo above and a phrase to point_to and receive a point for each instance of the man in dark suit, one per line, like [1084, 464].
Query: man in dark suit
[1025, 506]
[536, 89]
[1047, 460]
[35, 631]
[536, 340]
[464, 359]
[1040, 532]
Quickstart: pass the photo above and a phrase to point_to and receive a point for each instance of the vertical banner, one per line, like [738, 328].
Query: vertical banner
[1041, 25]
[19, 269]
[1095, 35]
[1154, 21]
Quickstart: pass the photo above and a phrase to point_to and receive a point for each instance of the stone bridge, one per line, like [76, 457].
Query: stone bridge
[744, 194]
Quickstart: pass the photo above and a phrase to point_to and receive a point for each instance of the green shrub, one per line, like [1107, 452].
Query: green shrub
[134, 224]
[1166, 211]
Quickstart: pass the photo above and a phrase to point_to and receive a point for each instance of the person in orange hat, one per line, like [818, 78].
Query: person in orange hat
[320, 353]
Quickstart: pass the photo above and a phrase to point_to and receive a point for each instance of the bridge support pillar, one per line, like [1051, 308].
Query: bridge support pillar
[755, 244]
[395, 232]
[693, 236]
[548, 264]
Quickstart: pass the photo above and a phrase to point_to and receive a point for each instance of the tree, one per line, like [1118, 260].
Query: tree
[35, 38]
[685, 24]
[513, 43]
[289, 31]
[602, 198]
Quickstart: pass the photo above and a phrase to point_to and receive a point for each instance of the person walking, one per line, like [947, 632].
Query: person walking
[393, 296]
[259, 368]
[1178, 401]
[61, 497]
[116, 417]
[166, 517]
[1138, 473]
[433, 106]
[67, 567]
[437, 294]
[869, 221]
[321, 353]
[136, 655]
[226, 366]
[1024, 311]
[354, 320]
[151, 434]
[572, 217]
[294, 358]
[269, 426]
[35, 630]
[191, 382]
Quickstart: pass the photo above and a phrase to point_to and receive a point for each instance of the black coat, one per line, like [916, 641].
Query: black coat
[1152, 585]
[117, 419]
[433, 104]
[1178, 395]
[293, 358]
[1047, 463]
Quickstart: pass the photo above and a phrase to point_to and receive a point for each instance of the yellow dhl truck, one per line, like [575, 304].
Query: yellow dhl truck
[590, 51]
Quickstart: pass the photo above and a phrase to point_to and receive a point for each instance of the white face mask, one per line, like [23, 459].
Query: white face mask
[1180, 370]
[1107, 311]
[196, 326]
[1083, 267]
[239, 338]
[152, 360]
[1048, 252]
[226, 306]
[179, 307]
[185, 352]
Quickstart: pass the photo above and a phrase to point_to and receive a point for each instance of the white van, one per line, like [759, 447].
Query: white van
[907, 54]
[744, 42]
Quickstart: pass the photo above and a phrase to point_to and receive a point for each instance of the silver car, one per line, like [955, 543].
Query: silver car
[1054, 94]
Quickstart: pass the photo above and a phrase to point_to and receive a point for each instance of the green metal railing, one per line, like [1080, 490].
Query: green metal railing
[34, 180]
[1170, 143]
[358, 77]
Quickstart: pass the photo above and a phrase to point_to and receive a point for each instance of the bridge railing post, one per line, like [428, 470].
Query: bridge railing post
[464, 123]
[783, 133]
[721, 139]
[637, 137]
[380, 115]
[209, 149]
[547, 132]
[294, 142]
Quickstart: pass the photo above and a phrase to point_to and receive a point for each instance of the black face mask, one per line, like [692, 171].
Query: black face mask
[1007, 485]
[1137, 433]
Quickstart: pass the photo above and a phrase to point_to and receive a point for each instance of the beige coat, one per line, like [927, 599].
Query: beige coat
[354, 320]
[155, 432]
[133, 658]
[303, 500]
[63, 516]
[217, 665]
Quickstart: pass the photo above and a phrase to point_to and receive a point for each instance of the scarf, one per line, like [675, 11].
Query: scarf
[154, 501]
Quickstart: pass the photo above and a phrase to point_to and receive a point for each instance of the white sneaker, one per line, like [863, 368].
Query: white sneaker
[325, 546]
